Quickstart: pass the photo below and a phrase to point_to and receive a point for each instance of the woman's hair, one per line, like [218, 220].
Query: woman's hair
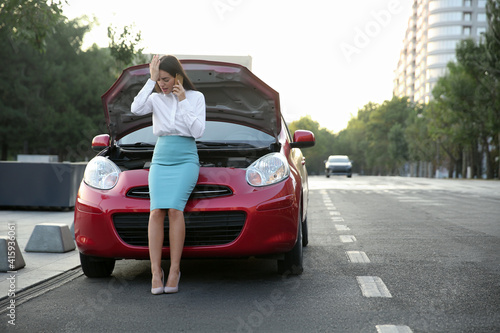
[172, 66]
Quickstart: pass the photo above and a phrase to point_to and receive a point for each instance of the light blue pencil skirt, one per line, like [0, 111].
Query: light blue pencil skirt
[173, 172]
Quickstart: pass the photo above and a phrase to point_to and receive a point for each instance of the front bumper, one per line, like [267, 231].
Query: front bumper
[249, 222]
[337, 170]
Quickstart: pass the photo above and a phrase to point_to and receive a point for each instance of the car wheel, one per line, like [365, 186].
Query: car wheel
[305, 234]
[95, 267]
[349, 176]
[327, 176]
[292, 263]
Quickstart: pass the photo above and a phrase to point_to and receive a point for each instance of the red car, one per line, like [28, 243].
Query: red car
[252, 192]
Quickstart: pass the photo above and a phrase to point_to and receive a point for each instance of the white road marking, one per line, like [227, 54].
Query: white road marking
[373, 286]
[358, 257]
[425, 202]
[347, 238]
[414, 200]
[337, 219]
[393, 329]
[341, 227]
[334, 213]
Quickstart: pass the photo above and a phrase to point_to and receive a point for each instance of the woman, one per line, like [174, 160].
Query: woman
[178, 119]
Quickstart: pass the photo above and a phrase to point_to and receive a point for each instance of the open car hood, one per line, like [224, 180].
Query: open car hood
[232, 94]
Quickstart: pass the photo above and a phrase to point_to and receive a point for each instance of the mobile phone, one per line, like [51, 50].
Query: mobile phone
[179, 79]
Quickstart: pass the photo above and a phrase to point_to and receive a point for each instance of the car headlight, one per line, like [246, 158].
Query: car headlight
[269, 169]
[101, 173]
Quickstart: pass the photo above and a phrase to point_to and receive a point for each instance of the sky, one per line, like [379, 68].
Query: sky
[326, 58]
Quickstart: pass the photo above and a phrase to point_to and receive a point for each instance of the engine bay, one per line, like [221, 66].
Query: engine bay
[140, 158]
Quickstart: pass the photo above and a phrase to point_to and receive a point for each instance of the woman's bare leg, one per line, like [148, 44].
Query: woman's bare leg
[176, 237]
[155, 236]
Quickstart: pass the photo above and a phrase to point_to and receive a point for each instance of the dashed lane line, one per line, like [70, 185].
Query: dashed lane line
[373, 286]
[358, 257]
[393, 329]
[342, 227]
[347, 238]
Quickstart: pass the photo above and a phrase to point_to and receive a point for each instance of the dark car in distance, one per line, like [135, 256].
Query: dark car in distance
[338, 165]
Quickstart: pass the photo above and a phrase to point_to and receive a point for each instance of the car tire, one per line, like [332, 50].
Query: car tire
[305, 233]
[95, 267]
[349, 176]
[327, 176]
[292, 263]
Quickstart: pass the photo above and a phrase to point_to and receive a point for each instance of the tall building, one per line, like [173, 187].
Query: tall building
[434, 29]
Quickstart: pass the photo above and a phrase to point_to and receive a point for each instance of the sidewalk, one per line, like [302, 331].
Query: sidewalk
[39, 266]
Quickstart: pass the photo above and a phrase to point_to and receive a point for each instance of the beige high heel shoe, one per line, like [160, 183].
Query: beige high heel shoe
[173, 290]
[159, 290]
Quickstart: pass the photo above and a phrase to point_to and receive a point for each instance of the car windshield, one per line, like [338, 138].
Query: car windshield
[338, 159]
[217, 134]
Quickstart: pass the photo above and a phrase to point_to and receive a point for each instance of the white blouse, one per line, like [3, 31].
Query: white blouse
[171, 117]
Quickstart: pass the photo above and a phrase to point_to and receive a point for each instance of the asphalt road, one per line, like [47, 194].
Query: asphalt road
[385, 255]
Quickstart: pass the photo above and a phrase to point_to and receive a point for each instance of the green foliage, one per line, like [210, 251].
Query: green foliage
[316, 155]
[421, 145]
[30, 21]
[466, 112]
[50, 88]
[125, 47]
[50, 102]
[380, 124]
[375, 141]
[398, 147]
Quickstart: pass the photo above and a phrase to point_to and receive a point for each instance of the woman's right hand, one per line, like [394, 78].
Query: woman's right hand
[154, 68]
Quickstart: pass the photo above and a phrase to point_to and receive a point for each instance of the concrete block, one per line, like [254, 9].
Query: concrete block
[50, 237]
[40, 184]
[10, 260]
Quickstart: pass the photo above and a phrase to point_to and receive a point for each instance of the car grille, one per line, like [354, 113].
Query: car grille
[338, 169]
[203, 228]
[201, 191]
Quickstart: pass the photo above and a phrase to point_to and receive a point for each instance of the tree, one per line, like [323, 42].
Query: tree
[50, 88]
[481, 62]
[125, 47]
[453, 122]
[352, 142]
[316, 155]
[398, 147]
[421, 146]
[30, 21]
[492, 45]
[381, 121]
[51, 101]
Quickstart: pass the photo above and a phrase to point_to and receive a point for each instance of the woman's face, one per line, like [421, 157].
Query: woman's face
[166, 82]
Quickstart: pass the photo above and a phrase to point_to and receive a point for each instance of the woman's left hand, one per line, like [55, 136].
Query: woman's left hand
[179, 91]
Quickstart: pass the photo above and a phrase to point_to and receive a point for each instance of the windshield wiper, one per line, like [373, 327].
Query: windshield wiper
[209, 144]
[137, 144]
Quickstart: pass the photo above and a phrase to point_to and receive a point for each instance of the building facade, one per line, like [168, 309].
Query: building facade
[434, 29]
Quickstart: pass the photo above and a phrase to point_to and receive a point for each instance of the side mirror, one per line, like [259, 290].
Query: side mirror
[302, 139]
[99, 142]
